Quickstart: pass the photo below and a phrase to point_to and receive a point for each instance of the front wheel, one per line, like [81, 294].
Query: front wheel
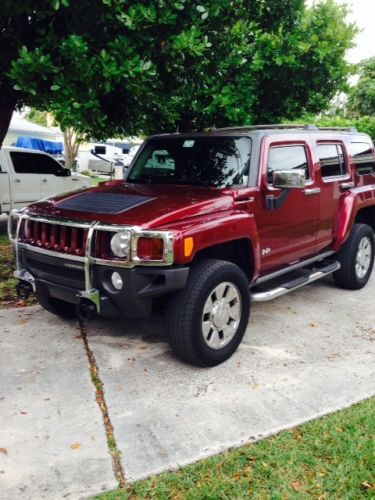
[356, 258]
[207, 320]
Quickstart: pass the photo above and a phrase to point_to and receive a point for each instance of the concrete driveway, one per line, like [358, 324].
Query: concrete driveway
[304, 355]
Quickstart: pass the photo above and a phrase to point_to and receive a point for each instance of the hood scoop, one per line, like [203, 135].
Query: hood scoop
[103, 203]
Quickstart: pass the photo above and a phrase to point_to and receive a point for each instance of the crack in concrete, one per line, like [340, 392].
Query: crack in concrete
[100, 398]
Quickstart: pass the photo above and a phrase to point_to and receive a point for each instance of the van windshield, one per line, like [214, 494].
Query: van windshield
[206, 161]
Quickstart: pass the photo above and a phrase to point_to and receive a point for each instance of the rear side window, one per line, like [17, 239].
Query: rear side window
[363, 157]
[331, 157]
[287, 158]
[23, 163]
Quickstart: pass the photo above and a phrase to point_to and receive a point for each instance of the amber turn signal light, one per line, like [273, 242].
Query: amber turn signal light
[188, 246]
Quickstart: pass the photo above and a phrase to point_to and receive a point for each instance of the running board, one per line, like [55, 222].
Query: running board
[290, 286]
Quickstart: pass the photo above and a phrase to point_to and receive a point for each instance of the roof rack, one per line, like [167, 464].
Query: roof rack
[306, 126]
[343, 129]
[271, 125]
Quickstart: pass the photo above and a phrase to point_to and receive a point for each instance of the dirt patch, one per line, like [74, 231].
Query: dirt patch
[8, 293]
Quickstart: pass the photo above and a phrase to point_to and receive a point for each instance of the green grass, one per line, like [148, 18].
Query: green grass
[8, 295]
[4, 240]
[95, 180]
[329, 458]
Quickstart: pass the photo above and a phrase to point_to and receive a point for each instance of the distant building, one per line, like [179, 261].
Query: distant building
[19, 127]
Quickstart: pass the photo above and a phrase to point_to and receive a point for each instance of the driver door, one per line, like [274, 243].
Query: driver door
[50, 182]
[288, 219]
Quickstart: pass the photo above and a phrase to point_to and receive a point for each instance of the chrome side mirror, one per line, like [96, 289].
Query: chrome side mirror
[289, 179]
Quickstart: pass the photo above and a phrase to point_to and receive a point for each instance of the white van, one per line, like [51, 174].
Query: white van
[27, 175]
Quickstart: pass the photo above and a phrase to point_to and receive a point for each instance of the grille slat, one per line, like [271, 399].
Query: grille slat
[65, 239]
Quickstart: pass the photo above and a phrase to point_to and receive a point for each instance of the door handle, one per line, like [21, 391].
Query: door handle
[312, 191]
[17, 180]
[44, 180]
[75, 179]
[346, 185]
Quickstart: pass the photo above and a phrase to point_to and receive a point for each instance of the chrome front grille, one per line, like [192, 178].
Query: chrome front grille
[55, 237]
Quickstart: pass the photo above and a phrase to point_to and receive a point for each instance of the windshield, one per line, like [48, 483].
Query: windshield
[206, 161]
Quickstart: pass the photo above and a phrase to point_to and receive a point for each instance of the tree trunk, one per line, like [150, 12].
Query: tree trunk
[6, 112]
[71, 145]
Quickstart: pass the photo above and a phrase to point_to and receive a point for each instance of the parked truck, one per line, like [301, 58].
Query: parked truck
[27, 175]
[203, 225]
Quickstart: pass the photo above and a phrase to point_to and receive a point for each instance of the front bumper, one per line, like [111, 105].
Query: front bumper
[54, 277]
[87, 279]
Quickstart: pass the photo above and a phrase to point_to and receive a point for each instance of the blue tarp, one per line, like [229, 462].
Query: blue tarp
[53, 148]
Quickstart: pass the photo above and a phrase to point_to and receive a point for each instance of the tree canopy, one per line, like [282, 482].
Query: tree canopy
[127, 67]
[362, 95]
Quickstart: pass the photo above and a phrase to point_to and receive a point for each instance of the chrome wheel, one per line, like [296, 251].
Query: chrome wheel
[363, 257]
[221, 315]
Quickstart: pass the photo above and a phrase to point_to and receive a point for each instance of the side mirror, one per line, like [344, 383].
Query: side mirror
[289, 179]
[63, 172]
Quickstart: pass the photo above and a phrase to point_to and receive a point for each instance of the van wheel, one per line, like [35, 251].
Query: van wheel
[58, 307]
[207, 320]
[356, 258]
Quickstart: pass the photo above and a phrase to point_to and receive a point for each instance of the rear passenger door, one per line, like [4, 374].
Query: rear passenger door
[335, 179]
[288, 229]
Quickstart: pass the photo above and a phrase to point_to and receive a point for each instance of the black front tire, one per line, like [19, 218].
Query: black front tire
[185, 312]
[58, 307]
[348, 276]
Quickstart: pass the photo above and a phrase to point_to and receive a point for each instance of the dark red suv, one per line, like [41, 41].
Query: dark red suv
[202, 225]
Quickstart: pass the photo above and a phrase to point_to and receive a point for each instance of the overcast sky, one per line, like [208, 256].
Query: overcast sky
[363, 14]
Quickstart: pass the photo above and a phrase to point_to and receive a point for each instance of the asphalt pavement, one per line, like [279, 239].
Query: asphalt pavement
[304, 355]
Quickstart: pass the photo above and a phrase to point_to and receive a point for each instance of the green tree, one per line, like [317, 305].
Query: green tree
[36, 116]
[365, 124]
[362, 95]
[125, 67]
[72, 139]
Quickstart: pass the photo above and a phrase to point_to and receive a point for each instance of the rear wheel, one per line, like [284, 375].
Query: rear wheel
[57, 307]
[356, 258]
[206, 321]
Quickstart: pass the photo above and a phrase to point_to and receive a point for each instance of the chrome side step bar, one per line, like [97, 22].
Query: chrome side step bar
[290, 286]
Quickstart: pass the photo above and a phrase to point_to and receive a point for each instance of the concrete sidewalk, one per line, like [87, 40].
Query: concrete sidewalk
[306, 354]
[52, 439]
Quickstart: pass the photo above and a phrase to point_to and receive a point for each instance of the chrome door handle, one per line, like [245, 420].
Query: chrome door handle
[310, 192]
[347, 185]
[17, 180]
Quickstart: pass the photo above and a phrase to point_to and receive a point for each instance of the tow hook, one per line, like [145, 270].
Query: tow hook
[24, 290]
[86, 309]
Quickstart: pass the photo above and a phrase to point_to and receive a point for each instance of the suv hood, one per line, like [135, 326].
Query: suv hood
[144, 205]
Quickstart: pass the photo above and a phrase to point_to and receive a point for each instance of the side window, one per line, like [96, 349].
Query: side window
[45, 165]
[363, 157]
[23, 162]
[287, 158]
[100, 150]
[331, 157]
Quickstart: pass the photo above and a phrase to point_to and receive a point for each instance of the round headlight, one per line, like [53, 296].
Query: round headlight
[120, 244]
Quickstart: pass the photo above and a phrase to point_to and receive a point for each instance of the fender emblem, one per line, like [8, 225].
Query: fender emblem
[266, 251]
